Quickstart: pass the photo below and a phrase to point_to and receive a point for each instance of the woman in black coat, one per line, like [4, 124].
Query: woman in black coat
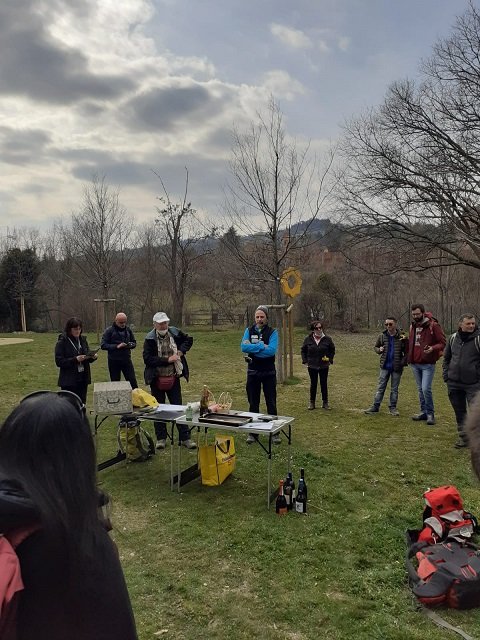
[318, 352]
[73, 357]
[73, 582]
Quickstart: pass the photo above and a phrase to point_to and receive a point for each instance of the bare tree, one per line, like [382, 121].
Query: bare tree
[99, 238]
[182, 243]
[275, 195]
[411, 186]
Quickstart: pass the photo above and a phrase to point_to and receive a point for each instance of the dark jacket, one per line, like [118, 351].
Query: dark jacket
[313, 354]
[97, 605]
[461, 360]
[112, 337]
[431, 336]
[66, 359]
[400, 349]
[150, 353]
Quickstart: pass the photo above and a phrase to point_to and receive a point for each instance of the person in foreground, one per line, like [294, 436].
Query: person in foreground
[392, 347]
[118, 340]
[318, 351]
[259, 344]
[164, 352]
[426, 343]
[73, 583]
[73, 358]
[461, 371]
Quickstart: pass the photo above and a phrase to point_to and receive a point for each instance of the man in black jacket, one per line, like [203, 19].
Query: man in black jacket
[461, 371]
[392, 347]
[119, 340]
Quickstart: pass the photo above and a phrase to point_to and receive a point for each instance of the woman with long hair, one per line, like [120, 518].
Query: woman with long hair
[73, 582]
[73, 358]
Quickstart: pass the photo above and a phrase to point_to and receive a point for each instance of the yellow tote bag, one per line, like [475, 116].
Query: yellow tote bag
[217, 461]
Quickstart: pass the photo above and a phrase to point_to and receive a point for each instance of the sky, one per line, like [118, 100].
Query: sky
[124, 88]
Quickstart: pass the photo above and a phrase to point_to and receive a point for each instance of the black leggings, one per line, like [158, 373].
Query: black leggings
[314, 375]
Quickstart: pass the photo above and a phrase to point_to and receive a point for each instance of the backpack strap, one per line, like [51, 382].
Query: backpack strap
[477, 343]
[440, 622]
[452, 338]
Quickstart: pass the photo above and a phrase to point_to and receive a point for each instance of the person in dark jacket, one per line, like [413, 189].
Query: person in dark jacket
[259, 344]
[461, 371]
[73, 582]
[426, 342]
[392, 347]
[318, 351]
[164, 352]
[118, 340]
[73, 358]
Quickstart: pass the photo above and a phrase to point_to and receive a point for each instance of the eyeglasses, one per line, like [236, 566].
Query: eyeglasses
[68, 395]
[389, 324]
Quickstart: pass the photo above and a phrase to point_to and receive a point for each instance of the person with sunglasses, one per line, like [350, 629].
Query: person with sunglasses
[318, 351]
[73, 584]
[73, 358]
[392, 347]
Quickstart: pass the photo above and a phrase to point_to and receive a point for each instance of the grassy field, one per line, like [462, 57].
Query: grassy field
[215, 563]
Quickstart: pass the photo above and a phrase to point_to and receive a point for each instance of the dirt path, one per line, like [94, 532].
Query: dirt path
[14, 340]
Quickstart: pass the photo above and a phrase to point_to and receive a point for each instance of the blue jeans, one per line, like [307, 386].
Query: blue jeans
[423, 374]
[383, 379]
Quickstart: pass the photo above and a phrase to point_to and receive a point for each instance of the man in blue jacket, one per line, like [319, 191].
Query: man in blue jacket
[118, 340]
[259, 344]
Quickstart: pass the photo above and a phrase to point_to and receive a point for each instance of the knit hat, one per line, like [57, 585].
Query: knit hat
[262, 307]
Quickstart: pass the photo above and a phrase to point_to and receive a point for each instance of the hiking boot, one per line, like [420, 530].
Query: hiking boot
[251, 438]
[326, 406]
[161, 444]
[189, 444]
[277, 439]
[419, 416]
[311, 406]
[371, 410]
[460, 444]
[394, 412]
[430, 419]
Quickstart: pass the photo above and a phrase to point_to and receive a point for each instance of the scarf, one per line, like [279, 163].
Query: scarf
[167, 347]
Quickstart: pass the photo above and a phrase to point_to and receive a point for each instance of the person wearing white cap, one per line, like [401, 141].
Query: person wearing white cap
[164, 352]
[259, 344]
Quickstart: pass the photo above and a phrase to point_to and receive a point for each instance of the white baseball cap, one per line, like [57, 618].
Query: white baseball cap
[161, 316]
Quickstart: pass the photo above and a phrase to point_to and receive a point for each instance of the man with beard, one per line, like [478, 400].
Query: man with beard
[426, 343]
[461, 371]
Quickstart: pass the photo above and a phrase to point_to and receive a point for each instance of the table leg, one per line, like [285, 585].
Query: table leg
[269, 481]
[172, 427]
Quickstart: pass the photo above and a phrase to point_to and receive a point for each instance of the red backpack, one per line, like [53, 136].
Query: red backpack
[446, 570]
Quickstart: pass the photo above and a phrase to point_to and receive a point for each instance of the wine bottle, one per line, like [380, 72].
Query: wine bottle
[281, 503]
[301, 498]
[204, 400]
[288, 490]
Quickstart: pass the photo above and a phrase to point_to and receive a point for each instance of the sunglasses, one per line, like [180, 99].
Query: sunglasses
[68, 395]
[389, 324]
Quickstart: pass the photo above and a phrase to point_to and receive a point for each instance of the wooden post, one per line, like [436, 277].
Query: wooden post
[288, 313]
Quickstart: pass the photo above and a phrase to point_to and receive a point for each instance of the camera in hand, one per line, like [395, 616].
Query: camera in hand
[131, 345]
[248, 359]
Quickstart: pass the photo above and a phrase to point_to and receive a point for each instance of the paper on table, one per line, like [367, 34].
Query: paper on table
[261, 426]
[171, 407]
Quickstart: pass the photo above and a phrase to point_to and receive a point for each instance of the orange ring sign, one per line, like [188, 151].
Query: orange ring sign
[291, 282]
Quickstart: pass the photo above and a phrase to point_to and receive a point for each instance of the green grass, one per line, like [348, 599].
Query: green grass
[215, 563]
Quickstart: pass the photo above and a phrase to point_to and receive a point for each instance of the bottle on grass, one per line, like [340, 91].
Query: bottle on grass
[289, 490]
[281, 503]
[301, 498]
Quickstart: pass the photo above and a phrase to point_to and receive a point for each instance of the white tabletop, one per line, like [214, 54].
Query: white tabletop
[258, 424]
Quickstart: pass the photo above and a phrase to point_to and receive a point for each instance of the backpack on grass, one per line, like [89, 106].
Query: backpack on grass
[134, 440]
[443, 564]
